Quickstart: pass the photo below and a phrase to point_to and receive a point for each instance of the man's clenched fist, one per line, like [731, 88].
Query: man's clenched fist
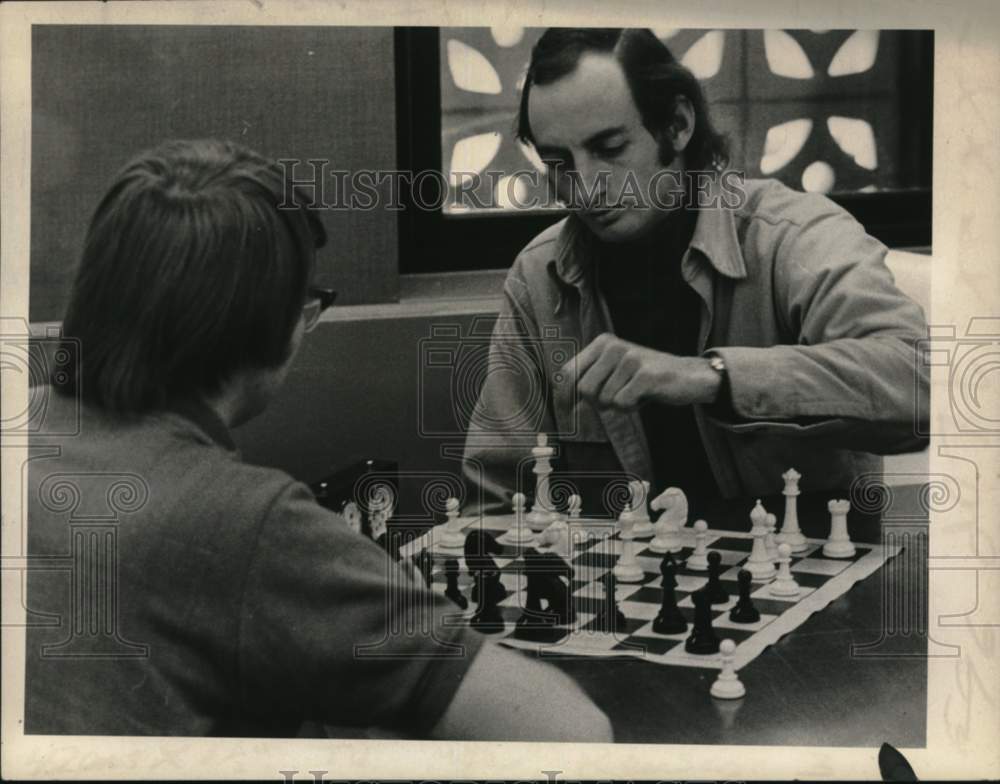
[613, 373]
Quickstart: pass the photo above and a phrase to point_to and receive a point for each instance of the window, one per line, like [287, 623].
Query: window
[843, 112]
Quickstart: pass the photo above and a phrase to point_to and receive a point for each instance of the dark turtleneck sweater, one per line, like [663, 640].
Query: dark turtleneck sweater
[650, 304]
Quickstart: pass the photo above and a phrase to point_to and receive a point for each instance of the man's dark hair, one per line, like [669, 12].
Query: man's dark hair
[655, 79]
[190, 272]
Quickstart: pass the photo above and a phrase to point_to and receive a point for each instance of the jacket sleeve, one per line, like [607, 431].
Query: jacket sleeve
[513, 406]
[852, 380]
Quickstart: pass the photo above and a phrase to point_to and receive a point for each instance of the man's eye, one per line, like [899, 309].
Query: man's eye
[612, 150]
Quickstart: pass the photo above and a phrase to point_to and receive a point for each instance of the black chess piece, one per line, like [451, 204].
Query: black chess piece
[452, 590]
[669, 620]
[424, 562]
[702, 640]
[480, 547]
[744, 611]
[610, 618]
[487, 618]
[715, 589]
[544, 573]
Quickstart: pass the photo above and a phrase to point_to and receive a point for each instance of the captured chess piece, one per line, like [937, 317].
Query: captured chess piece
[452, 590]
[670, 620]
[791, 534]
[698, 560]
[628, 569]
[642, 527]
[715, 589]
[702, 640]
[674, 505]
[744, 611]
[727, 686]
[839, 545]
[784, 584]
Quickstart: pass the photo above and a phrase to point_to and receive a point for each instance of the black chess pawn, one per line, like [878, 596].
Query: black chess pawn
[744, 611]
[702, 640]
[716, 590]
[424, 562]
[610, 618]
[452, 590]
[669, 620]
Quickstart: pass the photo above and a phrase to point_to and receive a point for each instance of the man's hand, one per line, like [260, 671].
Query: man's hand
[613, 373]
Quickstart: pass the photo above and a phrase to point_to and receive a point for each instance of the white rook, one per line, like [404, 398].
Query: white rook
[839, 544]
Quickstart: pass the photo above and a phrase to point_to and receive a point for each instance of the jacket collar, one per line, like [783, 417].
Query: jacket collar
[714, 238]
[202, 415]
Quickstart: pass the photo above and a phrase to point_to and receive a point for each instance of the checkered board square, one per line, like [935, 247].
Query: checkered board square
[597, 547]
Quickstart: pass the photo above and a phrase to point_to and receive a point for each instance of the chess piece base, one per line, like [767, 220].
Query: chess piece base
[666, 544]
[763, 570]
[642, 529]
[539, 521]
[728, 688]
[782, 588]
[744, 615]
[702, 646]
[697, 563]
[629, 574]
[839, 550]
[797, 541]
[676, 625]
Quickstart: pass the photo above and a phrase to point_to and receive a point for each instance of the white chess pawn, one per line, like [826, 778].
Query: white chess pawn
[698, 560]
[674, 505]
[759, 563]
[769, 541]
[574, 507]
[784, 584]
[452, 536]
[519, 533]
[728, 685]
[839, 545]
[627, 570]
[790, 531]
[640, 494]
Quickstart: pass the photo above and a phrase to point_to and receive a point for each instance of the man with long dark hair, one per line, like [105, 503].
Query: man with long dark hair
[726, 329]
[227, 601]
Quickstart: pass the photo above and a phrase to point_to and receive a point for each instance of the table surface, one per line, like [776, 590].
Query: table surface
[810, 688]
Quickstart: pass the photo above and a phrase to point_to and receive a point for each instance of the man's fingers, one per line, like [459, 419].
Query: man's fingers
[593, 380]
[579, 364]
[622, 375]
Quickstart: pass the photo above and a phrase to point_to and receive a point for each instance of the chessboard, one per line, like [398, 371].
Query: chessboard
[596, 548]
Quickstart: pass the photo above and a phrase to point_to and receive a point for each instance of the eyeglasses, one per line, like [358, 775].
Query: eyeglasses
[317, 300]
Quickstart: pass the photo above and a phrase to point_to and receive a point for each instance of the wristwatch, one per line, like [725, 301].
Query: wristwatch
[718, 364]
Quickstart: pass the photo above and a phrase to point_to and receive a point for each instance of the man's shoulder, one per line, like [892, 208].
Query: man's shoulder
[772, 202]
[543, 247]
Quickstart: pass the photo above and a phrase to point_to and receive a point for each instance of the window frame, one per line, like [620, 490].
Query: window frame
[431, 242]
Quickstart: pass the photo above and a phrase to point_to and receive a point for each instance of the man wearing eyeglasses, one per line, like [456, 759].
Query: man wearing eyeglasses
[235, 604]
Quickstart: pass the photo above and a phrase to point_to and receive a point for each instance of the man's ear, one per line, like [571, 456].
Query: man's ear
[681, 127]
